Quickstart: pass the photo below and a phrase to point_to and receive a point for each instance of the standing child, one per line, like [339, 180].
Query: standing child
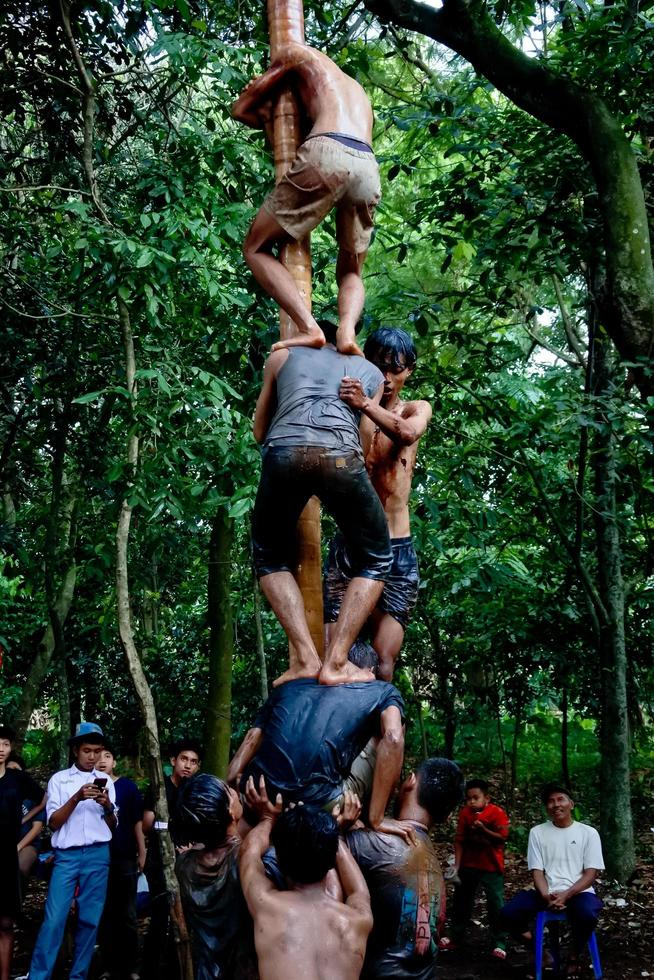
[481, 833]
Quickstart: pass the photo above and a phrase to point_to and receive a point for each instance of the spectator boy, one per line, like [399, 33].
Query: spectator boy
[481, 833]
[158, 960]
[15, 786]
[81, 814]
[127, 852]
[564, 857]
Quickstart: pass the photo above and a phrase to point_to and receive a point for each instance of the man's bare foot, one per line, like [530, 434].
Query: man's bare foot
[346, 674]
[346, 343]
[298, 671]
[311, 338]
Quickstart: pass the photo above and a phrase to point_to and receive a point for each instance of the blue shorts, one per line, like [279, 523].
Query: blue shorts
[400, 585]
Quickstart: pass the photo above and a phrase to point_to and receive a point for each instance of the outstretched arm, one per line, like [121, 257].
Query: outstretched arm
[254, 882]
[244, 755]
[390, 755]
[357, 896]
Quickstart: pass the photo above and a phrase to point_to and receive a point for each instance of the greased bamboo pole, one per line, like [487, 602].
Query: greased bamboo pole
[286, 23]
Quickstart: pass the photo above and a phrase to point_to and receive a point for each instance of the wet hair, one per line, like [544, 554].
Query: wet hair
[202, 813]
[186, 745]
[390, 345]
[478, 784]
[550, 788]
[440, 787]
[361, 654]
[7, 732]
[18, 759]
[305, 840]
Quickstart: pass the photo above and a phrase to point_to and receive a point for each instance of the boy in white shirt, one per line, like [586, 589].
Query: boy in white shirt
[564, 857]
[81, 814]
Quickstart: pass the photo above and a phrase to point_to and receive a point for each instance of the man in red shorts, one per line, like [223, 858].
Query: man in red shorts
[335, 168]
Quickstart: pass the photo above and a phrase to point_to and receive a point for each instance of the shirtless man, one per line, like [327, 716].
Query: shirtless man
[335, 168]
[305, 931]
[392, 429]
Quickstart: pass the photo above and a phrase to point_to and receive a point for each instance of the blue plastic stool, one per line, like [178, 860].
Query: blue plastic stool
[541, 921]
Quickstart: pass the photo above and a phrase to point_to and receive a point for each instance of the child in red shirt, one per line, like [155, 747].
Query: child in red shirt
[481, 833]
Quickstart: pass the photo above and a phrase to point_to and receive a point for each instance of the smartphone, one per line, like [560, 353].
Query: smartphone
[100, 782]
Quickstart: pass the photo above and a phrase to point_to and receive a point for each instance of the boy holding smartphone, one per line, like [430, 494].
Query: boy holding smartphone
[81, 814]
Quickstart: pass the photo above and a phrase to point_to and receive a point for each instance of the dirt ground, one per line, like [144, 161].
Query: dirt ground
[625, 932]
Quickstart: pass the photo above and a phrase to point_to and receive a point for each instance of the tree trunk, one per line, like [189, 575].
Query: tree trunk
[62, 603]
[218, 728]
[65, 724]
[616, 823]
[466, 27]
[565, 768]
[517, 725]
[141, 686]
[286, 23]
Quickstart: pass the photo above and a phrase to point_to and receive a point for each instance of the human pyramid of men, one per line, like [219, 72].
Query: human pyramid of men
[333, 886]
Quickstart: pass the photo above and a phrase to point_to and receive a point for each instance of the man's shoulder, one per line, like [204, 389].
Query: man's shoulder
[412, 405]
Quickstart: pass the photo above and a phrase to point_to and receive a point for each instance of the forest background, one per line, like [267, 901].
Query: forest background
[134, 339]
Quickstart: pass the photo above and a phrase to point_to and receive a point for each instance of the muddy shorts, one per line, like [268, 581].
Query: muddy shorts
[290, 476]
[400, 586]
[325, 175]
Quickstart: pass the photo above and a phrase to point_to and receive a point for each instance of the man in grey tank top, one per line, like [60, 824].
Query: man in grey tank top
[311, 446]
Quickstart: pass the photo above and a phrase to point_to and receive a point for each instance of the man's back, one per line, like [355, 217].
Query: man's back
[309, 411]
[313, 733]
[308, 934]
[333, 100]
[406, 896]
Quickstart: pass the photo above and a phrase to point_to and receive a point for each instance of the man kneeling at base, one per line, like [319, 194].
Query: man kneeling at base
[305, 931]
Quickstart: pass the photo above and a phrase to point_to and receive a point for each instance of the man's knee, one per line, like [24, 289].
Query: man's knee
[6, 925]
[349, 263]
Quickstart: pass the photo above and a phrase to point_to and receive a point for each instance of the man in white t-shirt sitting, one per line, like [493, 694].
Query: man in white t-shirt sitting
[564, 857]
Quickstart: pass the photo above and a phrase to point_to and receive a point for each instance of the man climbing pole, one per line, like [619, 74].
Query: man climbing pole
[335, 168]
[312, 446]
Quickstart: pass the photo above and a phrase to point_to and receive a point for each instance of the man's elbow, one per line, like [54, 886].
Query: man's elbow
[393, 739]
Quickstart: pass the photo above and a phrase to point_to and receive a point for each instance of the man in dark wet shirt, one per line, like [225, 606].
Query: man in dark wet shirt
[307, 743]
[405, 880]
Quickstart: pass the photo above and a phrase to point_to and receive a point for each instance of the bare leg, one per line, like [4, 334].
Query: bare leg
[6, 946]
[351, 297]
[387, 638]
[282, 592]
[359, 601]
[265, 232]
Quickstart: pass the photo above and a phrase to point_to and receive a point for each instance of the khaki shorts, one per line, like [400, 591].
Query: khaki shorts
[360, 779]
[326, 174]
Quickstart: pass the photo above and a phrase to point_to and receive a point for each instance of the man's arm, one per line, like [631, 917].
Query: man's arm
[244, 755]
[540, 884]
[366, 428]
[86, 792]
[250, 107]
[267, 400]
[404, 429]
[31, 835]
[390, 755]
[357, 896]
[255, 884]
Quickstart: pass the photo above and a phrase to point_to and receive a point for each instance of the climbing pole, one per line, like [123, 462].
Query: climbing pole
[286, 23]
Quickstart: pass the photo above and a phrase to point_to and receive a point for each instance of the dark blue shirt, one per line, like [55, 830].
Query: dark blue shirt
[312, 734]
[129, 803]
